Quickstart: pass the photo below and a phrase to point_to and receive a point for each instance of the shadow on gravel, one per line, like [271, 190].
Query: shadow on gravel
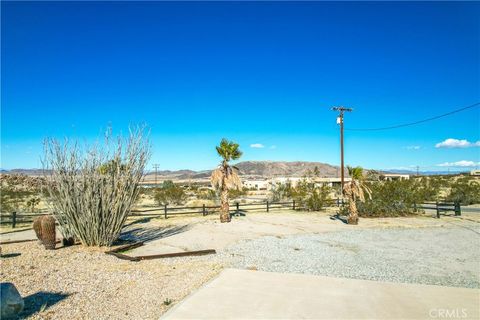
[339, 218]
[140, 234]
[40, 301]
[238, 213]
[142, 220]
[9, 255]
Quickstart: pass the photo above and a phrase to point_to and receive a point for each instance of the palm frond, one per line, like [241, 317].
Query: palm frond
[217, 178]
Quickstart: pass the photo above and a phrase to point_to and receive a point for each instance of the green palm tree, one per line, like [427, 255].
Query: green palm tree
[355, 190]
[225, 177]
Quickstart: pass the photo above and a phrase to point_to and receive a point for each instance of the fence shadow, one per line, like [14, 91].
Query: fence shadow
[41, 301]
[141, 234]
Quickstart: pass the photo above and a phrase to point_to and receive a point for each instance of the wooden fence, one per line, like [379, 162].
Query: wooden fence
[235, 208]
[441, 207]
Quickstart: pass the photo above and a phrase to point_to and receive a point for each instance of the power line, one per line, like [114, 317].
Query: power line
[416, 122]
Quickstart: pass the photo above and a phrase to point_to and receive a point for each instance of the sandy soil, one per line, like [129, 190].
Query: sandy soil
[84, 283]
[198, 233]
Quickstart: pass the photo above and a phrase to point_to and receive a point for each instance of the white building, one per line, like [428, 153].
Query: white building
[331, 182]
[395, 176]
[475, 172]
[256, 184]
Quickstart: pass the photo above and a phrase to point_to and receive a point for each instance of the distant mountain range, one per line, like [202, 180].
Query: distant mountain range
[28, 172]
[426, 173]
[266, 169]
[247, 168]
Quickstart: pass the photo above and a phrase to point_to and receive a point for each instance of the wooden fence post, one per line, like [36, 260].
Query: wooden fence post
[204, 211]
[458, 210]
[414, 207]
[268, 206]
[293, 204]
[237, 206]
[165, 211]
[14, 219]
[338, 202]
[438, 210]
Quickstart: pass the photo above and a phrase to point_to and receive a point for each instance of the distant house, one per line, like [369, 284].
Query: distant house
[284, 180]
[331, 182]
[256, 184]
[395, 176]
[475, 172]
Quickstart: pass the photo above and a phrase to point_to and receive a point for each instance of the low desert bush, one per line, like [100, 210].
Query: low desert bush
[393, 198]
[236, 193]
[20, 192]
[169, 193]
[207, 194]
[465, 190]
[307, 194]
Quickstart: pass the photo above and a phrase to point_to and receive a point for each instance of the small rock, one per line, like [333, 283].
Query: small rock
[11, 303]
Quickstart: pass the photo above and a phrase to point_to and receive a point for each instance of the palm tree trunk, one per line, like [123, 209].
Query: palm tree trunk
[224, 207]
[353, 216]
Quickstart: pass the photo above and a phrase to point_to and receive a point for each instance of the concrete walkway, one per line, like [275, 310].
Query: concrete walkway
[244, 294]
[18, 235]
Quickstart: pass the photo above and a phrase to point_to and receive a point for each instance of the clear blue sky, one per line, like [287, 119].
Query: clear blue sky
[257, 72]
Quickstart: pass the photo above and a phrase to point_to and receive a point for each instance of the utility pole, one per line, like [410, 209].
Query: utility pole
[155, 166]
[341, 111]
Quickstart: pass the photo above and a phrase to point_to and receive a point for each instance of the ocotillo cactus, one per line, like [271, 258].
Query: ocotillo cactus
[48, 232]
[37, 227]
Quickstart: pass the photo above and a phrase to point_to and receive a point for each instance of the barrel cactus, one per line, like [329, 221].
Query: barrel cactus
[37, 227]
[48, 232]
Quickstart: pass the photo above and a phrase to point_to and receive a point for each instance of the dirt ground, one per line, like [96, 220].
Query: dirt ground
[85, 283]
[199, 233]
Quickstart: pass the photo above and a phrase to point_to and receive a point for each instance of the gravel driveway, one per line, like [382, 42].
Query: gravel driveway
[448, 256]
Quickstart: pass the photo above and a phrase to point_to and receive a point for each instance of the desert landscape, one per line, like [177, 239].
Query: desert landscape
[239, 160]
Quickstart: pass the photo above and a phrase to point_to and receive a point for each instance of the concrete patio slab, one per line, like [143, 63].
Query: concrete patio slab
[245, 294]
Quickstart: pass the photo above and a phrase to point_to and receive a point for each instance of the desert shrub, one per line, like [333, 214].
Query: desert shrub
[307, 194]
[465, 191]
[20, 192]
[428, 188]
[317, 198]
[32, 203]
[93, 188]
[207, 194]
[168, 184]
[236, 193]
[392, 198]
[281, 192]
[169, 193]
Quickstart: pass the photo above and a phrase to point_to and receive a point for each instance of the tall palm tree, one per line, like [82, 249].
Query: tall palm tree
[355, 190]
[225, 177]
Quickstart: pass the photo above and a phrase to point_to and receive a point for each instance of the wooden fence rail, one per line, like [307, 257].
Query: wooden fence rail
[165, 211]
